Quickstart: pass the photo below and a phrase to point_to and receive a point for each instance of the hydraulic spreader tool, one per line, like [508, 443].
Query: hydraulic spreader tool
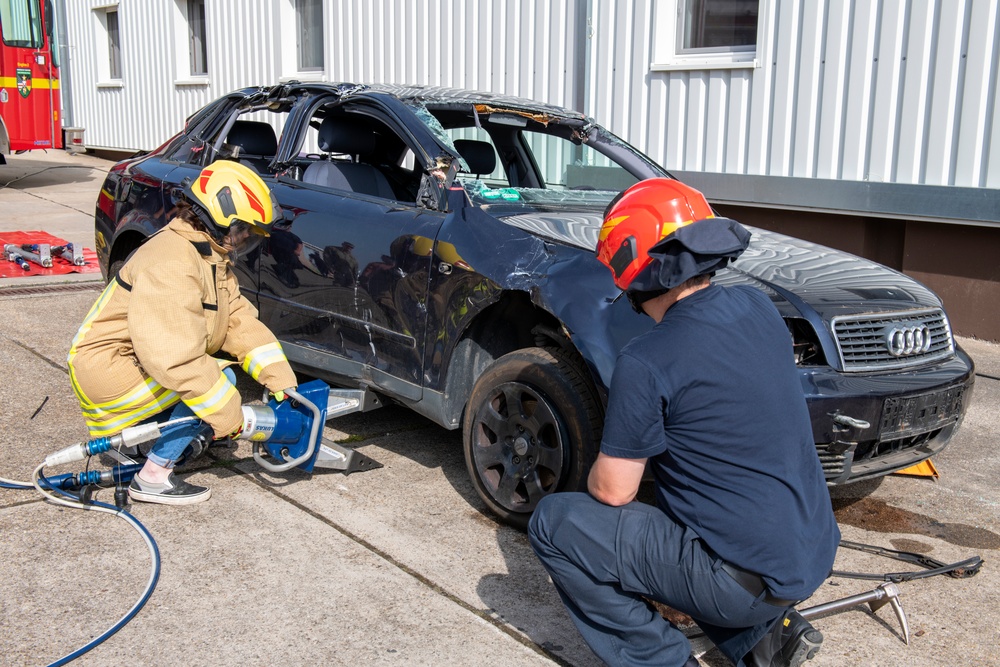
[285, 434]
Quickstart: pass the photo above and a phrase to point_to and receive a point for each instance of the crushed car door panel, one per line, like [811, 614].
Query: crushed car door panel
[347, 274]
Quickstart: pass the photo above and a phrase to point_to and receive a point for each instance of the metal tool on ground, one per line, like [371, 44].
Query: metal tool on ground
[886, 594]
[16, 257]
[293, 437]
[39, 253]
[69, 252]
[285, 434]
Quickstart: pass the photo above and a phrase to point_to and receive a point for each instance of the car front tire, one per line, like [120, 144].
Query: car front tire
[532, 427]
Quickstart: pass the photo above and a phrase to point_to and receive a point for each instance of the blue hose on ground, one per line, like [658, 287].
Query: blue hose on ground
[61, 484]
[69, 500]
[150, 586]
[11, 484]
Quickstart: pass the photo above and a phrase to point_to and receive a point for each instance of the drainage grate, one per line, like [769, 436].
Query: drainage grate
[56, 288]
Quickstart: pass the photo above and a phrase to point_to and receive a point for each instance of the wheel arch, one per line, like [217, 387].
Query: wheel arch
[125, 243]
[511, 323]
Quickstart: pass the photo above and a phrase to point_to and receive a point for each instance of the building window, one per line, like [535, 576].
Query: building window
[114, 44]
[197, 37]
[309, 17]
[708, 34]
[717, 25]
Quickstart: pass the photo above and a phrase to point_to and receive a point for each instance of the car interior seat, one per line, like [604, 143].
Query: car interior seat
[340, 135]
[256, 142]
[479, 155]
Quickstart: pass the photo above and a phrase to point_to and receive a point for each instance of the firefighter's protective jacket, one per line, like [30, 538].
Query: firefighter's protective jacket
[148, 340]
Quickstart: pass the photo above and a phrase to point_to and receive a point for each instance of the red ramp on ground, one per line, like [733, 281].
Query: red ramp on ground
[59, 265]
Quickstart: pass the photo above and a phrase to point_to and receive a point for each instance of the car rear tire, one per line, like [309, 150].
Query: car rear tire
[532, 427]
[113, 269]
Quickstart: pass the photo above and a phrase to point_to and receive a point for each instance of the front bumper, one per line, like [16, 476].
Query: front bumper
[870, 425]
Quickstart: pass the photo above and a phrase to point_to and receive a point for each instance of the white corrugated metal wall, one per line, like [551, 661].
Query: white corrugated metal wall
[879, 90]
[150, 101]
[520, 47]
[866, 90]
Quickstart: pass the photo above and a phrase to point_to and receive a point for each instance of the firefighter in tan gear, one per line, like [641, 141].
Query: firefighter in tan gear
[145, 351]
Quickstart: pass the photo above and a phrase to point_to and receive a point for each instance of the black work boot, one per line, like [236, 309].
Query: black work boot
[789, 643]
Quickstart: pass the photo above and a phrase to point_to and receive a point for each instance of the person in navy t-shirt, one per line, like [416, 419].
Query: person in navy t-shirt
[710, 401]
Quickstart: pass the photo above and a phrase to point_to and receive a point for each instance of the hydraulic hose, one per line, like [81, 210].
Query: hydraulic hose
[54, 491]
[14, 484]
[72, 501]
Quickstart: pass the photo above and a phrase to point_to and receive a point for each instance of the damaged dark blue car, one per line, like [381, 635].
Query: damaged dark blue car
[437, 250]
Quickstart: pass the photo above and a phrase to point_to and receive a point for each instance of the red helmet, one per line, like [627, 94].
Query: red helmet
[641, 217]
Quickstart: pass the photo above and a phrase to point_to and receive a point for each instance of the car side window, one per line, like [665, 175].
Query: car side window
[476, 148]
[189, 150]
[564, 165]
[357, 152]
[252, 139]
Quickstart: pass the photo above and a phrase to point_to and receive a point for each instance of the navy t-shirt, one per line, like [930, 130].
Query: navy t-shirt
[712, 397]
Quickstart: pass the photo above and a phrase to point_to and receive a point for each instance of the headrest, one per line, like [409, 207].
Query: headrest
[479, 155]
[338, 134]
[253, 137]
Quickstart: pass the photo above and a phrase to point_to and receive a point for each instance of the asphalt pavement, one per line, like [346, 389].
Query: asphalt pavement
[399, 565]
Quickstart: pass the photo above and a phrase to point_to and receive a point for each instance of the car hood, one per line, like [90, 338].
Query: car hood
[798, 275]
[549, 254]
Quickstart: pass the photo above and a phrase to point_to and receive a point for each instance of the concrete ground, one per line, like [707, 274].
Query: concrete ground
[399, 565]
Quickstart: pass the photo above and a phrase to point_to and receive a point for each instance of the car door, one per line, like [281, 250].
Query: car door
[343, 279]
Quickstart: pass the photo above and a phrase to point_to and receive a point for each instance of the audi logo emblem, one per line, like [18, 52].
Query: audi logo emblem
[906, 341]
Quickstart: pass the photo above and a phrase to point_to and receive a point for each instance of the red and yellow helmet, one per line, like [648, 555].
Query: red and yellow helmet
[641, 217]
[230, 191]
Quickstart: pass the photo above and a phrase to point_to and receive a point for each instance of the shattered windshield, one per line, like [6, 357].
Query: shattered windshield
[516, 157]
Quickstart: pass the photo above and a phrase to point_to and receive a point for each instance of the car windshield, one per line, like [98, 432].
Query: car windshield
[514, 157]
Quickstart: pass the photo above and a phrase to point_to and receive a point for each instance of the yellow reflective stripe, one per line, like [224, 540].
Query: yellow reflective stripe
[149, 391]
[147, 399]
[101, 427]
[261, 357]
[214, 399]
[41, 84]
[88, 322]
[92, 314]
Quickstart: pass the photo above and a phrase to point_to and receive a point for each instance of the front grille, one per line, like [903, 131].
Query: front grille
[874, 450]
[887, 341]
[846, 462]
[835, 460]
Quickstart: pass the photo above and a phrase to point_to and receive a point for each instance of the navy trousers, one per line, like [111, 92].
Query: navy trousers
[603, 559]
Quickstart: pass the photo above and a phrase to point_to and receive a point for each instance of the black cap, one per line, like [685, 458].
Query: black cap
[701, 248]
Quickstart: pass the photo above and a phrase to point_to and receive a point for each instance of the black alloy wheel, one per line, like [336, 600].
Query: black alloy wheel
[532, 428]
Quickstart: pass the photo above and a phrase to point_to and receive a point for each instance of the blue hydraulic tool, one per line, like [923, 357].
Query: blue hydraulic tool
[290, 431]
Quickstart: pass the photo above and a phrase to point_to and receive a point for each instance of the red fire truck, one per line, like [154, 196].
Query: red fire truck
[29, 77]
